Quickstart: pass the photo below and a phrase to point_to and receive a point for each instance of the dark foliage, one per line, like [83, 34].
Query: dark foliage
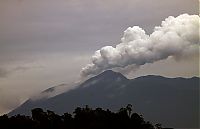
[83, 118]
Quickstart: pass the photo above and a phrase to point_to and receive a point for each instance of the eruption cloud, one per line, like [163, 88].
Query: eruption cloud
[176, 37]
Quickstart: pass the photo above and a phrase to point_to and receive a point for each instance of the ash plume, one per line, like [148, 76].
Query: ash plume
[176, 37]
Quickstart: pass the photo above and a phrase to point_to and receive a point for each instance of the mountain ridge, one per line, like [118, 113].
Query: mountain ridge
[109, 72]
[151, 95]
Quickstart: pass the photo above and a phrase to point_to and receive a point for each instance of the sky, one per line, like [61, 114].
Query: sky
[44, 43]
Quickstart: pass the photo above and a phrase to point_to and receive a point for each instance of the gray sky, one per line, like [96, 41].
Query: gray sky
[44, 43]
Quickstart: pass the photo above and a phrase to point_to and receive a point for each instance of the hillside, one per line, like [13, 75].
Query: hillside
[174, 102]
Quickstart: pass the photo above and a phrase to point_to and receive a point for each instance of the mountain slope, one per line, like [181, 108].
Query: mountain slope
[170, 101]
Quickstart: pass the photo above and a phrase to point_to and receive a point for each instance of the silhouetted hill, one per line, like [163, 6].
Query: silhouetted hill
[174, 102]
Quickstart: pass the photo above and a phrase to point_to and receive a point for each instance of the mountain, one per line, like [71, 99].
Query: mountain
[170, 101]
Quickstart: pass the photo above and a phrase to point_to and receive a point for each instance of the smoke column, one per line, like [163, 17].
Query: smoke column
[176, 37]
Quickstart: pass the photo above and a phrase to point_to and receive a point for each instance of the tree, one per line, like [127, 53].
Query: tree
[158, 126]
[38, 114]
[84, 118]
[129, 109]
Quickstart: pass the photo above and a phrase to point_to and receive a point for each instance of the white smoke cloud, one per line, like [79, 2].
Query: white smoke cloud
[176, 37]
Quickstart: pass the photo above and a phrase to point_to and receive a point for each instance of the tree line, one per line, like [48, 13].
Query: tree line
[82, 118]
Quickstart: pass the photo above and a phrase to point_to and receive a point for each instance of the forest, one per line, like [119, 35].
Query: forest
[82, 118]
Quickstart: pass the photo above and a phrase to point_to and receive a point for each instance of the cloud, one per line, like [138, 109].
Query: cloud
[8, 102]
[53, 91]
[3, 73]
[177, 37]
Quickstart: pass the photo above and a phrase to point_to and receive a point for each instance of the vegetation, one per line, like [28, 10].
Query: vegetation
[82, 118]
